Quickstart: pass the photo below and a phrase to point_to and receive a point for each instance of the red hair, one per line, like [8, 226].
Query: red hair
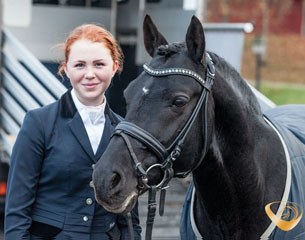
[94, 33]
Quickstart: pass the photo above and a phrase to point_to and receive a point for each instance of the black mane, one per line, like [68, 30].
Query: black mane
[170, 49]
[238, 84]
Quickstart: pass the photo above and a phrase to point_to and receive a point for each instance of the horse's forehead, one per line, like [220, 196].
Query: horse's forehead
[176, 60]
[146, 87]
[140, 87]
[146, 84]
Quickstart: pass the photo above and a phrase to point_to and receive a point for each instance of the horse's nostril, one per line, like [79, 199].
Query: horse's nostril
[115, 180]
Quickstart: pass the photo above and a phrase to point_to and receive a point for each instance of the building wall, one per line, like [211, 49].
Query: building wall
[285, 16]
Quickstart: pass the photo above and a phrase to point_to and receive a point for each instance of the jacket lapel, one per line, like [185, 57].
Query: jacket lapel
[80, 133]
[68, 110]
[108, 129]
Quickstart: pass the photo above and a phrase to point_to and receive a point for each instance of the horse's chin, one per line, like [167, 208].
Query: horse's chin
[121, 207]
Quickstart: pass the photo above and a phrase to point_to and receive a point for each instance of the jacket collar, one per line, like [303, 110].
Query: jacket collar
[68, 109]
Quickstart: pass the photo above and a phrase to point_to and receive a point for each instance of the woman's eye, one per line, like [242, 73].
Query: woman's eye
[79, 65]
[99, 64]
[180, 101]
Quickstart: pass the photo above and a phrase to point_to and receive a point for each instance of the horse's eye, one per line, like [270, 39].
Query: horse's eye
[180, 101]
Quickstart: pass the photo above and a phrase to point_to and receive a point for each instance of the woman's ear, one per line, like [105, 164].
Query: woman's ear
[66, 72]
[116, 66]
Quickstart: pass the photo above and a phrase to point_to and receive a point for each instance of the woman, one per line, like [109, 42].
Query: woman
[49, 192]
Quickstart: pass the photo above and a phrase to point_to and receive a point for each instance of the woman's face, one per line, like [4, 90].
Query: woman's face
[90, 69]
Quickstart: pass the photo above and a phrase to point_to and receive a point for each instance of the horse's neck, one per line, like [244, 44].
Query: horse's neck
[237, 177]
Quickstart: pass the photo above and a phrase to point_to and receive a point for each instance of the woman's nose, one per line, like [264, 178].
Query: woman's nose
[89, 73]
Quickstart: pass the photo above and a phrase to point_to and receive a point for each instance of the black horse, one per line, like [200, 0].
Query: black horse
[190, 111]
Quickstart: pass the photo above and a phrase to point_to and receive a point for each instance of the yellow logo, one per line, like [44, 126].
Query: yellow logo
[290, 214]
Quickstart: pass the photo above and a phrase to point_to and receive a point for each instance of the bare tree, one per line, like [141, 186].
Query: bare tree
[303, 19]
[1, 26]
[202, 10]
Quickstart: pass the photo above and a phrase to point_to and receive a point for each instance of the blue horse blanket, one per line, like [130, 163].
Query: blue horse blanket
[289, 122]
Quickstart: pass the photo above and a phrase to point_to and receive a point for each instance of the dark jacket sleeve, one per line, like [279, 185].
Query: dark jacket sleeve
[123, 225]
[25, 165]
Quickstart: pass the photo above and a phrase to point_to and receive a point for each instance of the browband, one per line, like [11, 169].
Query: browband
[184, 71]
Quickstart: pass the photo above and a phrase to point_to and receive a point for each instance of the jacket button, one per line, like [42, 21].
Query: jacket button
[91, 184]
[93, 165]
[85, 218]
[89, 201]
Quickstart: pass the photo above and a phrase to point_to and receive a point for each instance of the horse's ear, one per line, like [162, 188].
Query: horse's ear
[152, 38]
[195, 40]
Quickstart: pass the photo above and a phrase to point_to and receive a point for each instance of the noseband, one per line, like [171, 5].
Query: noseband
[166, 155]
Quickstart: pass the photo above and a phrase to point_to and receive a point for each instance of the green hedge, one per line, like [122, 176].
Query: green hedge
[284, 93]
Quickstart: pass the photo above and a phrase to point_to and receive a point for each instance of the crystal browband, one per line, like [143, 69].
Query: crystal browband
[173, 71]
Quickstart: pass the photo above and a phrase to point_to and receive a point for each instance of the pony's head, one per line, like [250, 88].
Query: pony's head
[168, 123]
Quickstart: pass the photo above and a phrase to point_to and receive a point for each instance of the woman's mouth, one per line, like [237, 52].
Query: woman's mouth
[90, 85]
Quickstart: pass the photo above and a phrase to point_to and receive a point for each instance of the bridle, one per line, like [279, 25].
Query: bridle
[166, 155]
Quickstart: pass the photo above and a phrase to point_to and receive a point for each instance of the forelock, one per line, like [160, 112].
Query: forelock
[168, 50]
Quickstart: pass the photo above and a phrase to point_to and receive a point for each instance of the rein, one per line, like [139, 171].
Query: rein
[166, 156]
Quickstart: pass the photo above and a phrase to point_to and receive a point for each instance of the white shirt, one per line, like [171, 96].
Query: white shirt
[93, 118]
